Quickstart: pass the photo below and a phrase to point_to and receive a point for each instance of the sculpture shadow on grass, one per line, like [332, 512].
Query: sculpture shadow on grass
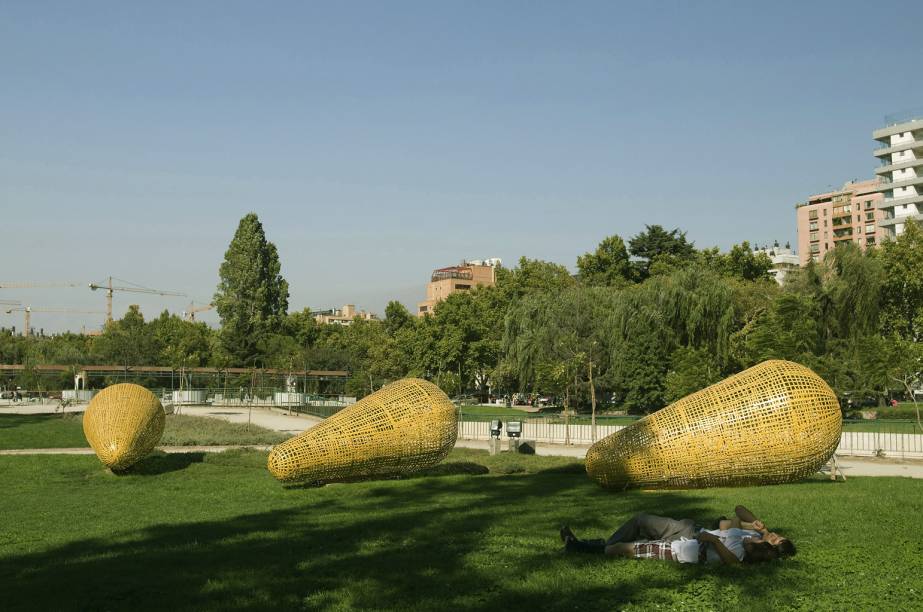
[428, 543]
[159, 462]
[448, 468]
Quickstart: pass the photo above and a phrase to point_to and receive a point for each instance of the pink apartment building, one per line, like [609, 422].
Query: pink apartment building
[849, 214]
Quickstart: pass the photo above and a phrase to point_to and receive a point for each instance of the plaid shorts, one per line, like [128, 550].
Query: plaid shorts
[654, 549]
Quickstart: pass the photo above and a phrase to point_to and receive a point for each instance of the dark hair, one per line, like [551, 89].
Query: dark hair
[785, 548]
[760, 552]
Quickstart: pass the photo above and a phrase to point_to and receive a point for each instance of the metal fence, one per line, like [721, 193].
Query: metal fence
[895, 439]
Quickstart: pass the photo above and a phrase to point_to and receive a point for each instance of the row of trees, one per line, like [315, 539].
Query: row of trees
[641, 324]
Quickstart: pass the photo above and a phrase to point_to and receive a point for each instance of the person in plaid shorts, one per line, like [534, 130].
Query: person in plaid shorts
[647, 536]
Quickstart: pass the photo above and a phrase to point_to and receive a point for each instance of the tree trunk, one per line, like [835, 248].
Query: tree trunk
[567, 414]
[592, 406]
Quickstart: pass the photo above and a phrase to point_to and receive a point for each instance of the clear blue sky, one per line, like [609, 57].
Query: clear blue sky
[379, 140]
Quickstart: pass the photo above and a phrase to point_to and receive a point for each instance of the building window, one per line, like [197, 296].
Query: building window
[825, 223]
[868, 204]
[870, 229]
[869, 216]
[825, 212]
[815, 248]
[813, 226]
[813, 236]
[812, 214]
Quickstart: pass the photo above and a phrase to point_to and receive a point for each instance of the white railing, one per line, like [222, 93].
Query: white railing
[856, 443]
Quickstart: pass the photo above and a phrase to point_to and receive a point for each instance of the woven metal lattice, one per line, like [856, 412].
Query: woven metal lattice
[123, 423]
[401, 428]
[775, 422]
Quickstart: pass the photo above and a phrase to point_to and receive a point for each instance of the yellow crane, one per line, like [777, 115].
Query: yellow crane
[28, 310]
[109, 287]
[189, 315]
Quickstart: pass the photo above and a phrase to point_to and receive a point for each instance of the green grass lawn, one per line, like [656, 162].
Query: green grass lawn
[216, 532]
[55, 431]
[495, 411]
[883, 426]
[487, 413]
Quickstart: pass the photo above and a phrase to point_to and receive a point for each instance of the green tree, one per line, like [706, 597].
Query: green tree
[690, 370]
[902, 289]
[397, 317]
[743, 263]
[608, 266]
[127, 342]
[252, 296]
[181, 343]
[656, 242]
[559, 342]
[533, 275]
[691, 308]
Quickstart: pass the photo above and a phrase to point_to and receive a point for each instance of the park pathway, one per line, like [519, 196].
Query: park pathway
[279, 420]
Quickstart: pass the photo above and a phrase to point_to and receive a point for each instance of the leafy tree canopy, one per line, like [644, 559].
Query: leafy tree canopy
[608, 266]
[252, 296]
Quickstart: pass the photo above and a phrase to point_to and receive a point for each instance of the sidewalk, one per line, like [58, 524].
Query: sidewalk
[276, 419]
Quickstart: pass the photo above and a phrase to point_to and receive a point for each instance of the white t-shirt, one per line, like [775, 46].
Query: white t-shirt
[687, 551]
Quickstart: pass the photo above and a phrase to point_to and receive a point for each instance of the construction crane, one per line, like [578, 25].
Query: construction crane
[109, 287]
[189, 315]
[28, 310]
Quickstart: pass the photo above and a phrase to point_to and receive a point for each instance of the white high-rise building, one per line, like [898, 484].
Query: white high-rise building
[783, 260]
[900, 153]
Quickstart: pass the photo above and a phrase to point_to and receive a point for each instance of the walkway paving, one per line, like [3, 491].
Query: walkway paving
[269, 418]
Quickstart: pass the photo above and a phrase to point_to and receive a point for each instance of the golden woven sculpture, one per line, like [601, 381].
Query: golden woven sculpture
[123, 423]
[401, 428]
[775, 422]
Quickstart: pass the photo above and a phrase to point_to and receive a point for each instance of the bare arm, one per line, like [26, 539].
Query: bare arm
[727, 557]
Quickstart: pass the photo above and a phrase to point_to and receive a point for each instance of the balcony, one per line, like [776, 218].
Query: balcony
[904, 146]
[445, 274]
[892, 202]
[886, 184]
[899, 219]
[887, 167]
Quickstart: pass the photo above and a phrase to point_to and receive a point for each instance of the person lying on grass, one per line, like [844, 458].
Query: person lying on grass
[647, 536]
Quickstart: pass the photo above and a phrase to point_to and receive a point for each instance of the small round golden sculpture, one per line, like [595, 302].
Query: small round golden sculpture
[775, 422]
[123, 423]
[404, 427]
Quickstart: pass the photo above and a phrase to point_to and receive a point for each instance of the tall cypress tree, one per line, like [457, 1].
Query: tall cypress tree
[252, 296]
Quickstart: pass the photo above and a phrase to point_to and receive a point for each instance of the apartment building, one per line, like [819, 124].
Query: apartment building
[342, 316]
[784, 260]
[900, 156]
[463, 277]
[849, 214]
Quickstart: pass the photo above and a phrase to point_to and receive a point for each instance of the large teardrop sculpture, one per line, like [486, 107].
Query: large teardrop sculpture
[773, 423]
[123, 423]
[406, 426]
